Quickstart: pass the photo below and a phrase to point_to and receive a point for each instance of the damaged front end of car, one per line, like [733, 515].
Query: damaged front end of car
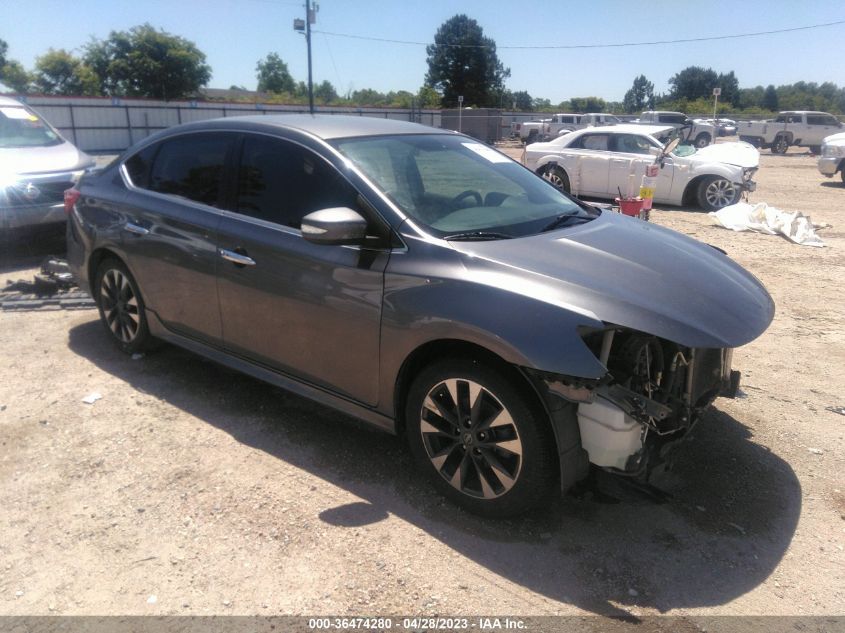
[653, 393]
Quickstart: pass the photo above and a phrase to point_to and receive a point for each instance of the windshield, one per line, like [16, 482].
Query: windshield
[684, 150]
[20, 127]
[457, 186]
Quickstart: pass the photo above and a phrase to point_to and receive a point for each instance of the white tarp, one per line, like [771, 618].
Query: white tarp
[762, 218]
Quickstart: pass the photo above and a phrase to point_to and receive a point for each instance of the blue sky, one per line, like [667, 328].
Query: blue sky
[235, 34]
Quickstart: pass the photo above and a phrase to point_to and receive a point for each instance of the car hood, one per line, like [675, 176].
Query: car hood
[38, 160]
[634, 274]
[739, 154]
[839, 137]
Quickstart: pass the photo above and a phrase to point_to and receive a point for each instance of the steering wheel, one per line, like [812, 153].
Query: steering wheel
[456, 201]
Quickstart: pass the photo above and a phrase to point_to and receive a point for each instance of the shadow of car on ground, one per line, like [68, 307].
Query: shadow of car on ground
[732, 514]
[24, 249]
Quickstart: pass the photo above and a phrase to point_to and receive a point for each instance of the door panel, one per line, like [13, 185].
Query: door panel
[313, 311]
[175, 263]
[170, 230]
[630, 156]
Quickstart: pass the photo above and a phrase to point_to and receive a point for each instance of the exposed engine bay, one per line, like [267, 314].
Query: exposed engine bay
[654, 392]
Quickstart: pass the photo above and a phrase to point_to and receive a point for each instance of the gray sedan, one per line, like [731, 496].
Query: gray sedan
[423, 282]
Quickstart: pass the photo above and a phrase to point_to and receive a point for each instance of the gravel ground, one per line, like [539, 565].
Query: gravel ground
[189, 489]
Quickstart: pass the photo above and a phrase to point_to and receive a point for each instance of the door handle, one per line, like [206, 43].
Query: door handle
[135, 229]
[236, 258]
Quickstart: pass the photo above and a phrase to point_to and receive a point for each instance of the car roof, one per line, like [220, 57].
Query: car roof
[8, 101]
[624, 128]
[804, 112]
[325, 126]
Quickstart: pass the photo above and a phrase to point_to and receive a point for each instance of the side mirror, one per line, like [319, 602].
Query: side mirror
[335, 226]
[655, 151]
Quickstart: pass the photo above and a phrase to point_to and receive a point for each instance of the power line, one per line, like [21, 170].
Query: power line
[574, 46]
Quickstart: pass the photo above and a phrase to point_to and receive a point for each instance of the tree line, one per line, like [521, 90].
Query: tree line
[462, 62]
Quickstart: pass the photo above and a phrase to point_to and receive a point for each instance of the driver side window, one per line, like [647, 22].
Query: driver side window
[282, 182]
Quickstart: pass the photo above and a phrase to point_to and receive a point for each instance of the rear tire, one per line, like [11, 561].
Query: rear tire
[557, 177]
[121, 307]
[481, 441]
[780, 145]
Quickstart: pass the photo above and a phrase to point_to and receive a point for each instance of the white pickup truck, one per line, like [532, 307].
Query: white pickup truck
[803, 128]
[545, 129]
[698, 133]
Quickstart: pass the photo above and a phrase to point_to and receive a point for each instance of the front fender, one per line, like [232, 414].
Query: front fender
[523, 331]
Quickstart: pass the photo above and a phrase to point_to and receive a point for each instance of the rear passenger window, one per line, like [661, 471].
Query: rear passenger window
[191, 166]
[138, 166]
[282, 182]
[593, 141]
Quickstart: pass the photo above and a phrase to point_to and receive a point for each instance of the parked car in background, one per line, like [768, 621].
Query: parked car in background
[801, 128]
[724, 127]
[36, 166]
[421, 281]
[560, 124]
[598, 162]
[533, 131]
[832, 156]
[698, 133]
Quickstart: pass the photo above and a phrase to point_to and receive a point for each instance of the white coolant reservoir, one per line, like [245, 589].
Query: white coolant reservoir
[608, 434]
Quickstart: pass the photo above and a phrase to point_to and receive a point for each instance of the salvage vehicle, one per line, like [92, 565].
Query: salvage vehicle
[423, 282]
[36, 166]
[800, 128]
[560, 124]
[601, 162]
[724, 127]
[832, 156]
[697, 132]
[533, 131]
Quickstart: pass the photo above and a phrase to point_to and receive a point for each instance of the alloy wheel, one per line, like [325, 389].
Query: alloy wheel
[471, 438]
[720, 193]
[120, 305]
[554, 177]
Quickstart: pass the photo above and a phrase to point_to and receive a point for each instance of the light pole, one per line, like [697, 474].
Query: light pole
[304, 27]
[460, 111]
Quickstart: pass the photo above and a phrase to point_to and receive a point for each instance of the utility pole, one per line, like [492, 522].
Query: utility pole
[304, 27]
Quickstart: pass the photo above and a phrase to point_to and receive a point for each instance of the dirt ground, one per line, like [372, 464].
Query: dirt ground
[189, 489]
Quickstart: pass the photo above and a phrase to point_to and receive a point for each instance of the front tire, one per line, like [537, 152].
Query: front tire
[702, 140]
[715, 192]
[121, 307]
[557, 177]
[481, 441]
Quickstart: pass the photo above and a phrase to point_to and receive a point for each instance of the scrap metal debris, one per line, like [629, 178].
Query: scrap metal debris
[52, 288]
[762, 218]
[91, 398]
[839, 410]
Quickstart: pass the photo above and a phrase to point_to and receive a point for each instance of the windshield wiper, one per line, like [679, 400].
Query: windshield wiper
[563, 220]
[469, 236]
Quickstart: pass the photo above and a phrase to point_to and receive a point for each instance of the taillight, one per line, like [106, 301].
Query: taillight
[71, 196]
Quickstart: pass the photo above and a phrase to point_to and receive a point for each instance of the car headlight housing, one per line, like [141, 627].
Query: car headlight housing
[833, 150]
[748, 173]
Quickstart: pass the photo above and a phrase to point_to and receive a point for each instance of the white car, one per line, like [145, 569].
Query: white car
[599, 163]
[37, 165]
[832, 158]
